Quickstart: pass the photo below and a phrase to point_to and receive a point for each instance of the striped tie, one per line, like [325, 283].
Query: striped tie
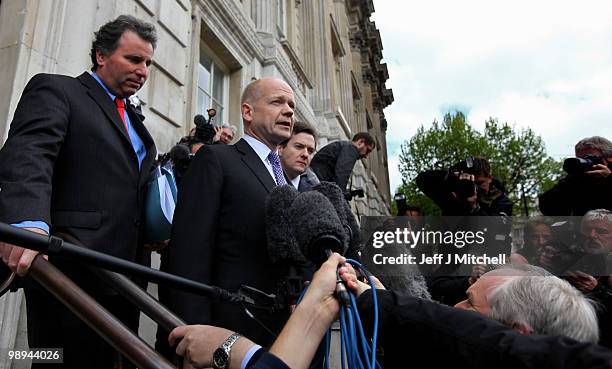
[276, 168]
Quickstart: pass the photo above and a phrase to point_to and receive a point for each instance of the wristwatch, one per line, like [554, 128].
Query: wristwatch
[221, 356]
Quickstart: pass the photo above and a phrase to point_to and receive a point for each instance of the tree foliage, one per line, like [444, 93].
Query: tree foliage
[518, 158]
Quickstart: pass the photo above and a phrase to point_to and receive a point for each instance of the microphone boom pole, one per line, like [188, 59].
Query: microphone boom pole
[52, 245]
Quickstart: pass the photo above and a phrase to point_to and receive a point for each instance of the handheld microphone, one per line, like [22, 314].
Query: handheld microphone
[282, 246]
[317, 226]
[318, 232]
[335, 195]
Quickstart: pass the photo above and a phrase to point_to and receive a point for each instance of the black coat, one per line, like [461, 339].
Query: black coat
[415, 333]
[69, 162]
[219, 238]
[435, 185]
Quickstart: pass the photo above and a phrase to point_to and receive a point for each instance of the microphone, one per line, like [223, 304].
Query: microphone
[318, 232]
[199, 120]
[317, 228]
[282, 245]
[335, 195]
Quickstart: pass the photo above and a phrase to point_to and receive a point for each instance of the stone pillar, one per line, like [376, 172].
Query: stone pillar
[263, 15]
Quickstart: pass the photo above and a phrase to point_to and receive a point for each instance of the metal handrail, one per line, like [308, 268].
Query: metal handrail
[132, 292]
[96, 317]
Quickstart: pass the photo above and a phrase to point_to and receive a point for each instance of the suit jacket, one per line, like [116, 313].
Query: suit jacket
[219, 238]
[68, 161]
[335, 162]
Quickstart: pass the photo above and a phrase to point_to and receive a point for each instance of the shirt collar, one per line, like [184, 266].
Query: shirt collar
[97, 78]
[296, 181]
[260, 148]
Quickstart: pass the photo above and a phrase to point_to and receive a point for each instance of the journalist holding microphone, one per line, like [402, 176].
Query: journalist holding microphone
[409, 329]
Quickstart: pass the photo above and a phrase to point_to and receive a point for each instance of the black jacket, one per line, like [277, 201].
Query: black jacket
[575, 195]
[434, 185]
[335, 162]
[69, 162]
[415, 333]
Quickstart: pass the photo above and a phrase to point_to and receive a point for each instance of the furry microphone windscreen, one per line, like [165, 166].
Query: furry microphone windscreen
[317, 226]
[282, 245]
[336, 197]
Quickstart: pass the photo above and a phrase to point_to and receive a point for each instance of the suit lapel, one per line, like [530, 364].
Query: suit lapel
[97, 93]
[137, 123]
[250, 158]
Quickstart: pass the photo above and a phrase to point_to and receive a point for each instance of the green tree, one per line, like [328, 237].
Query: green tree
[518, 158]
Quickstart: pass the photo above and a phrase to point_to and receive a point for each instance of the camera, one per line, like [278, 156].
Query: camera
[464, 188]
[577, 166]
[400, 202]
[205, 132]
[354, 193]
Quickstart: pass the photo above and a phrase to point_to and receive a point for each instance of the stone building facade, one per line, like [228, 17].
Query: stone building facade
[327, 50]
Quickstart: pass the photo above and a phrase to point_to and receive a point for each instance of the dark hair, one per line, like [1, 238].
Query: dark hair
[530, 226]
[301, 127]
[480, 167]
[366, 137]
[107, 38]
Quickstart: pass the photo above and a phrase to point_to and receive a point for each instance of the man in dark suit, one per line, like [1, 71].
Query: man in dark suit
[219, 234]
[76, 162]
[296, 154]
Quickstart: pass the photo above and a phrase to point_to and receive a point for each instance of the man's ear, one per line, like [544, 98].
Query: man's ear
[100, 58]
[247, 112]
[522, 328]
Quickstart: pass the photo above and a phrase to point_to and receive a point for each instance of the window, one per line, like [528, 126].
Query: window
[212, 85]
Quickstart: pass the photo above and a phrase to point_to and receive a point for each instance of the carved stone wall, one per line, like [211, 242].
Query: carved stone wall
[329, 52]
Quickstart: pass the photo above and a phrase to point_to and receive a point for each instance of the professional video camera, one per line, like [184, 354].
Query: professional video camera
[577, 166]
[205, 131]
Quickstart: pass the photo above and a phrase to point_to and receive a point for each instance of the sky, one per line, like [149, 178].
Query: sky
[541, 64]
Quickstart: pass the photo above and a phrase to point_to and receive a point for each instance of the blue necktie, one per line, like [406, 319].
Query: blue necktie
[276, 168]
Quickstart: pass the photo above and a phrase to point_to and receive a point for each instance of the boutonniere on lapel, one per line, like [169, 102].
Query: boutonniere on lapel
[137, 105]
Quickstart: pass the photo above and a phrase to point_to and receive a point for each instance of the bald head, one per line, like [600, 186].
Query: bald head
[267, 110]
[254, 90]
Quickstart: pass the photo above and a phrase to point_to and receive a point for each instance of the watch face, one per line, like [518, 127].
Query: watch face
[220, 358]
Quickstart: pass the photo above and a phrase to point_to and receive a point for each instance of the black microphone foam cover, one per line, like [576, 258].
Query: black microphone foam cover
[199, 120]
[335, 195]
[282, 245]
[317, 226]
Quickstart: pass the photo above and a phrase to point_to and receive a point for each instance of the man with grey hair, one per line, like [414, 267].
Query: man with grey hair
[224, 134]
[596, 228]
[531, 300]
[579, 192]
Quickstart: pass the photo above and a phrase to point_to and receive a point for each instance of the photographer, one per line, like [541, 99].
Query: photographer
[588, 181]
[467, 188]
